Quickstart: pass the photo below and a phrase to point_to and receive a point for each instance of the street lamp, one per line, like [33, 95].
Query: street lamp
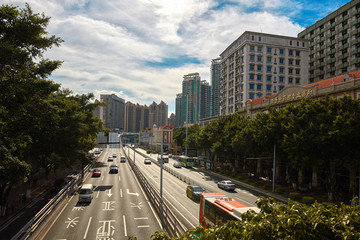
[187, 116]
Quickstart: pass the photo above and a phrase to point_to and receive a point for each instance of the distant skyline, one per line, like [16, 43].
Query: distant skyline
[140, 50]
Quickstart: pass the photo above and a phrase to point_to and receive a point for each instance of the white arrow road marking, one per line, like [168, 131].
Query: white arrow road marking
[109, 194]
[136, 194]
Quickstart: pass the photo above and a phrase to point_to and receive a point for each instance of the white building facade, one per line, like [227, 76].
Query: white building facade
[259, 64]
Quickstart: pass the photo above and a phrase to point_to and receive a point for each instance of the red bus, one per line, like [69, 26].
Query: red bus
[216, 207]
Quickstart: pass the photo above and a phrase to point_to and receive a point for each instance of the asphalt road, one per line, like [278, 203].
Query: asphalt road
[174, 189]
[119, 208]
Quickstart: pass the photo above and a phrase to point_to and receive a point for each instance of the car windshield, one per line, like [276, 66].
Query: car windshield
[96, 170]
[198, 189]
[84, 191]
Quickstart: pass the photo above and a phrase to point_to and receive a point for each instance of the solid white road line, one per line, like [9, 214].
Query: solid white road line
[125, 225]
[87, 228]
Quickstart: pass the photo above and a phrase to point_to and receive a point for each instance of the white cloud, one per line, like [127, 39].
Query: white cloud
[108, 43]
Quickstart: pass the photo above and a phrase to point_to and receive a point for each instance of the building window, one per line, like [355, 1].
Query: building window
[297, 71]
[281, 69]
[268, 59]
[259, 49]
[274, 88]
[297, 43]
[290, 52]
[297, 53]
[281, 51]
[290, 62]
[290, 42]
[259, 39]
[259, 77]
[268, 68]
[297, 80]
[252, 57]
[258, 86]
[268, 87]
[251, 95]
[290, 80]
[268, 78]
[259, 67]
[281, 60]
[297, 62]
[252, 76]
[252, 67]
[290, 70]
[252, 48]
[268, 50]
[252, 38]
[281, 88]
[259, 58]
[251, 86]
[281, 79]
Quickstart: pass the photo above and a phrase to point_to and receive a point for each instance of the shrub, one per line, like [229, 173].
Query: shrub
[308, 200]
[294, 195]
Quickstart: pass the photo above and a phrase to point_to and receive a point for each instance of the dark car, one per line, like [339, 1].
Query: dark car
[194, 192]
[113, 168]
[122, 159]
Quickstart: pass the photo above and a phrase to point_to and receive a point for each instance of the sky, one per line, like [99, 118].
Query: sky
[140, 50]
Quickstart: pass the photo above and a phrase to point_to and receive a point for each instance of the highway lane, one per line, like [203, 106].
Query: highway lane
[119, 208]
[174, 189]
[174, 192]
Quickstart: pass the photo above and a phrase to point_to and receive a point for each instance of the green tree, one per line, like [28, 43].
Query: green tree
[23, 86]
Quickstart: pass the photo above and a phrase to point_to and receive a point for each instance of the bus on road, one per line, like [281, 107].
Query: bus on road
[187, 162]
[218, 207]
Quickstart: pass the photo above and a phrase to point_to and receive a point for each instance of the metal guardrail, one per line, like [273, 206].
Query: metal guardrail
[168, 220]
[26, 231]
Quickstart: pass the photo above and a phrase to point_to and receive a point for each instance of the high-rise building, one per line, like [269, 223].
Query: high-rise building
[260, 64]
[158, 114]
[190, 99]
[171, 120]
[215, 78]
[113, 114]
[205, 99]
[334, 43]
[178, 117]
[141, 117]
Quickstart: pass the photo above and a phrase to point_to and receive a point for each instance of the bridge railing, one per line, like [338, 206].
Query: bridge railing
[168, 220]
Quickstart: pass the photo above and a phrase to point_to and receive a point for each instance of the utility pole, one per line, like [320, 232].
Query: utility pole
[273, 178]
[161, 171]
[187, 116]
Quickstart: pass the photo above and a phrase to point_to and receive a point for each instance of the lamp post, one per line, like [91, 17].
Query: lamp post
[187, 116]
[161, 171]
[273, 177]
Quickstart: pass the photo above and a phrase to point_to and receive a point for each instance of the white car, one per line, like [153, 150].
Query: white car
[147, 161]
[110, 159]
[226, 185]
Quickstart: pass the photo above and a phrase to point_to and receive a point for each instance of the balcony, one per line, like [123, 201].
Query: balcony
[343, 28]
[343, 46]
[331, 60]
[355, 51]
[331, 69]
[355, 61]
[346, 36]
[356, 41]
[343, 56]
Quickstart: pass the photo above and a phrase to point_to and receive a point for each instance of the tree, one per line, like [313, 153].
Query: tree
[23, 87]
[284, 221]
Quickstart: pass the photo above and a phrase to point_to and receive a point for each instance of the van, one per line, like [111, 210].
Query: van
[86, 193]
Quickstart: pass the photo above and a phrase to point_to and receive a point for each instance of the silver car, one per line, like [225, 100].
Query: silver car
[226, 185]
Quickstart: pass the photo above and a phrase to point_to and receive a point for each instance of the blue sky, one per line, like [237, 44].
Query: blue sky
[141, 49]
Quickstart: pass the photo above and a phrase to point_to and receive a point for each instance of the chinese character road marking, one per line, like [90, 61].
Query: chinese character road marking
[109, 205]
[139, 206]
[106, 230]
[72, 222]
